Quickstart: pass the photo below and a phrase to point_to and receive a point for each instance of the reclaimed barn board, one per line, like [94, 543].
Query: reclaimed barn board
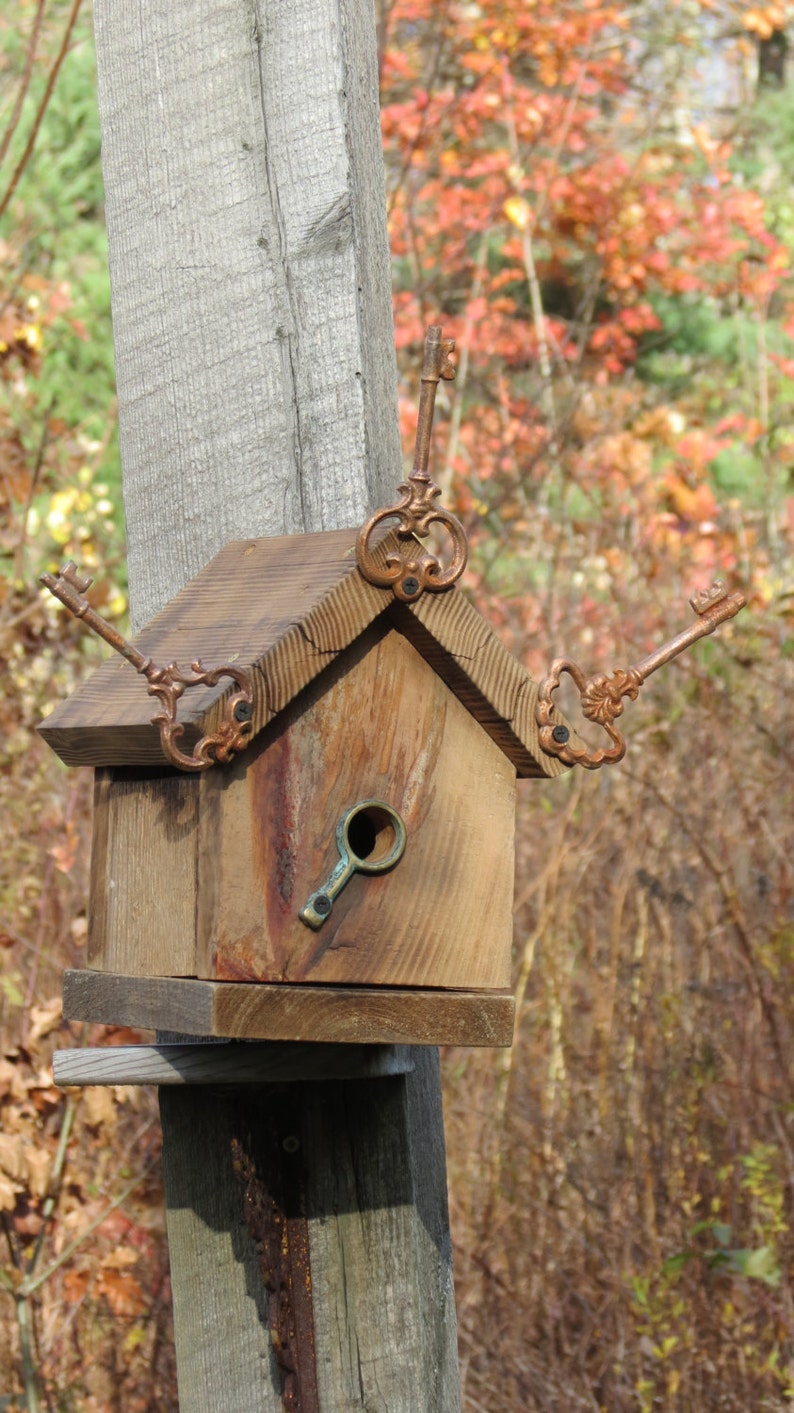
[253, 1011]
[142, 895]
[283, 610]
[206, 875]
[386, 729]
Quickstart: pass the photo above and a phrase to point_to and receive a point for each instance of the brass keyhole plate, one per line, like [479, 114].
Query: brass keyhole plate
[371, 838]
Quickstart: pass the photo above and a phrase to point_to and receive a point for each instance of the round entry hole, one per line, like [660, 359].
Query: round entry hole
[371, 833]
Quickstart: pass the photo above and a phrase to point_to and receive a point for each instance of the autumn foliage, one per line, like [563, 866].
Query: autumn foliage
[593, 200]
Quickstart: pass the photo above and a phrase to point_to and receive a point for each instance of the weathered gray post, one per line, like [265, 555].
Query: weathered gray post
[256, 382]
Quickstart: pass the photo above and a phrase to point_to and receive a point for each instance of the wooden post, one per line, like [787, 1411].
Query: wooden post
[256, 382]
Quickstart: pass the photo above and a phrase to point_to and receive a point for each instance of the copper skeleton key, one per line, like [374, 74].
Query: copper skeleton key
[167, 683]
[602, 695]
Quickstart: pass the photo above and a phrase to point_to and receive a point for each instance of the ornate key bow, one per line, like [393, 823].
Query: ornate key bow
[602, 694]
[412, 568]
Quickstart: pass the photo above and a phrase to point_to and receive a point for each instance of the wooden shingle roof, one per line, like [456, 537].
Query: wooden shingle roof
[283, 609]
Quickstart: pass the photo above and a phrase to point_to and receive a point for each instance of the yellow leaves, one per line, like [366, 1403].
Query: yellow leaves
[518, 212]
[133, 1338]
[64, 506]
[632, 214]
[500, 39]
[30, 336]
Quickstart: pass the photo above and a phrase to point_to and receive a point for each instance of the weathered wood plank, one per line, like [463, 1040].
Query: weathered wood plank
[492, 684]
[238, 1062]
[142, 897]
[321, 1014]
[283, 609]
[250, 275]
[384, 728]
[365, 1153]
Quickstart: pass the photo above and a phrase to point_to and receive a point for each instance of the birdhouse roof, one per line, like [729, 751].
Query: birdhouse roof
[282, 610]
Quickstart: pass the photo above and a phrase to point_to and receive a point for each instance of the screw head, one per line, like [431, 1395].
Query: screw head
[560, 734]
[322, 904]
[243, 711]
[290, 1144]
[410, 586]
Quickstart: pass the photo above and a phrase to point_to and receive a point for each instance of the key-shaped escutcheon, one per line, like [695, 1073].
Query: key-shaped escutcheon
[602, 694]
[370, 838]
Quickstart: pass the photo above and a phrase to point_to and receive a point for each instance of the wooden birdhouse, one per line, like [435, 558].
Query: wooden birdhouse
[349, 874]
[313, 840]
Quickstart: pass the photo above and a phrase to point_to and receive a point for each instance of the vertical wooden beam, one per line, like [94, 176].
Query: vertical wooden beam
[250, 274]
[257, 395]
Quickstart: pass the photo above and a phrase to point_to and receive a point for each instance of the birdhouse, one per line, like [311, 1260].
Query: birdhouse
[348, 874]
[312, 837]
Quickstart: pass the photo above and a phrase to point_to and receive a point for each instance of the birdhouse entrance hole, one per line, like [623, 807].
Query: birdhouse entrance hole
[371, 833]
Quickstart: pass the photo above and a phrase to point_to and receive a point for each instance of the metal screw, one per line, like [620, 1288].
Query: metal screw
[322, 904]
[410, 586]
[290, 1144]
[561, 734]
[243, 711]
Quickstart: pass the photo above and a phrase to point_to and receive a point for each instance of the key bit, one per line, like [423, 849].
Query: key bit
[602, 694]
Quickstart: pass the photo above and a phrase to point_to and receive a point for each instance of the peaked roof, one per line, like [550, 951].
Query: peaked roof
[283, 609]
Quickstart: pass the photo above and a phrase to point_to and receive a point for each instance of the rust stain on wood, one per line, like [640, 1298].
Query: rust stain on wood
[270, 1173]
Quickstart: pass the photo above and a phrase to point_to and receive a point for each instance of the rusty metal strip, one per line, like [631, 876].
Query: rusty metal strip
[271, 1174]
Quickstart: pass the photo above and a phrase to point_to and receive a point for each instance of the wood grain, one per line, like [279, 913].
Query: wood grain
[280, 608]
[142, 898]
[284, 609]
[383, 727]
[368, 1150]
[492, 684]
[249, 262]
[321, 1014]
[237, 1062]
[241, 142]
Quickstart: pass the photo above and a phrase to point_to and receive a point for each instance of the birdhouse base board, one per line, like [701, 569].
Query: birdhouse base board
[258, 1011]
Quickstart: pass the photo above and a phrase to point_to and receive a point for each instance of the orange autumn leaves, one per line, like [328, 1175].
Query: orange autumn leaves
[551, 202]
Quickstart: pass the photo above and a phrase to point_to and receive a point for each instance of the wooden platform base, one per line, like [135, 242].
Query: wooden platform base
[227, 1062]
[259, 1011]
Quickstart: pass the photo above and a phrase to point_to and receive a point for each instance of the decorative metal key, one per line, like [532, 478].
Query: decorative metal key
[370, 819]
[167, 683]
[602, 695]
[411, 568]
